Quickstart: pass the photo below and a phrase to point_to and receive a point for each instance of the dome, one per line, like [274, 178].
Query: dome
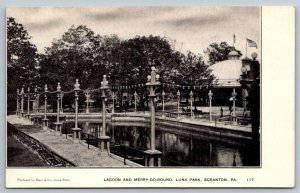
[233, 55]
[227, 72]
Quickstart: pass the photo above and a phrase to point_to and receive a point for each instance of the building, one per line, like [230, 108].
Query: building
[228, 73]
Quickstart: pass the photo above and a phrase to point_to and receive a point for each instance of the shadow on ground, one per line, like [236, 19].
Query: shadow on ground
[18, 155]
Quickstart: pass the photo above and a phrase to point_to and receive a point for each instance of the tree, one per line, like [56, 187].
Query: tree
[81, 54]
[69, 58]
[136, 56]
[219, 52]
[139, 54]
[193, 72]
[21, 60]
[78, 54]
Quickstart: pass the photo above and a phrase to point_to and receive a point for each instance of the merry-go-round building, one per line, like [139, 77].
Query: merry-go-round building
[227, 75]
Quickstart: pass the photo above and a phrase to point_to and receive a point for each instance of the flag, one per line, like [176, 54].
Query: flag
[233, 38]
[251, 43]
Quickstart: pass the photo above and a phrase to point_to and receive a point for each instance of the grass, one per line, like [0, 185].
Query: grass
[18, 155]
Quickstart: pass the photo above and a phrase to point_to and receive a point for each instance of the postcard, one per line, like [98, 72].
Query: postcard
[154, 96]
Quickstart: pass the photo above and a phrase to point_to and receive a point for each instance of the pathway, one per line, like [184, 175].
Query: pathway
[77, 153]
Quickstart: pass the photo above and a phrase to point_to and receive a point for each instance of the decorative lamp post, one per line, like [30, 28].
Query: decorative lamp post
[152, 85]
[210, 95]
[61, 102]
[135, 97]
[163, 94]
[250, 81]
[88, 98]
[28, 102]
[38, 103]
[35, 104]
[103, 138]
[113, 101]
[178, 104]
[58, 124]
[76, 129]
[233, 106]
[22, 101]
[17, 112]
[191, 95]
[45, 120]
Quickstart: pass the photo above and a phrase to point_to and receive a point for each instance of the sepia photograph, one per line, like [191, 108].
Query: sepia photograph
[132, 87]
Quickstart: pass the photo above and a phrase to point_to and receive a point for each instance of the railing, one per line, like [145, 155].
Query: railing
[124, 151]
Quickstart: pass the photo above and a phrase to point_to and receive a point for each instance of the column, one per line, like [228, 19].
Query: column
[113, 101]
[61, 103]
[35, 105]
[178, 104]
[103, 138]
[28, 102]
[163, 103]
[45, 120]
[191, 96]
[38, 103]
[210, 94]
[152, 154]
[233, 107]
[135, 96]
[87, 96]
[58, 124]
[22, 101]
[17, 112]
[76, 129]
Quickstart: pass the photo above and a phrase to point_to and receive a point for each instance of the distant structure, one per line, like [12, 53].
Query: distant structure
[227, 75]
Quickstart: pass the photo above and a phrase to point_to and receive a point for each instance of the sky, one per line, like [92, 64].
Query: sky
[190, 28]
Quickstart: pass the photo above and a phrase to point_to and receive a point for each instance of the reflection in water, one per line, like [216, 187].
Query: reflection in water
[179, 149]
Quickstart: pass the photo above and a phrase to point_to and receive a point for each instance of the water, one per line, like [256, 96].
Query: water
[178, 147]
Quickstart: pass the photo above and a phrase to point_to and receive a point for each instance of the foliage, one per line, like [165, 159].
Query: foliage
[82, 54]
[21, 60]
[192, 71]
[219, 52]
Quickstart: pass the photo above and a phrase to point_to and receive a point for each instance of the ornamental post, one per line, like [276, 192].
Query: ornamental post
[178, 104]
[17, 112]
[191, 97]
[61, 103]
[28, 102]
[45, 120]
[103, 138]
[113, 101]
[22, 101]
[58, 124]
[233, 106]
[88, 98]
[210, 95]
[35, 97]
[163, 103]
[35, 104]
[152, 85]
[135, 97]
[76, 129]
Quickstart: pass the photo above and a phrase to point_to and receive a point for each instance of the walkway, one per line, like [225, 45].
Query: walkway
[204, 121]
[194, 121]
[79, 154]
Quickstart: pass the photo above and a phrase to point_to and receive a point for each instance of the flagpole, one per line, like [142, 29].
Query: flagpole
[246, 48]
[233, 40]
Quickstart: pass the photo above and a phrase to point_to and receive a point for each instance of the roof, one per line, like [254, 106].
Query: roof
[227, 72]
[233, 53]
